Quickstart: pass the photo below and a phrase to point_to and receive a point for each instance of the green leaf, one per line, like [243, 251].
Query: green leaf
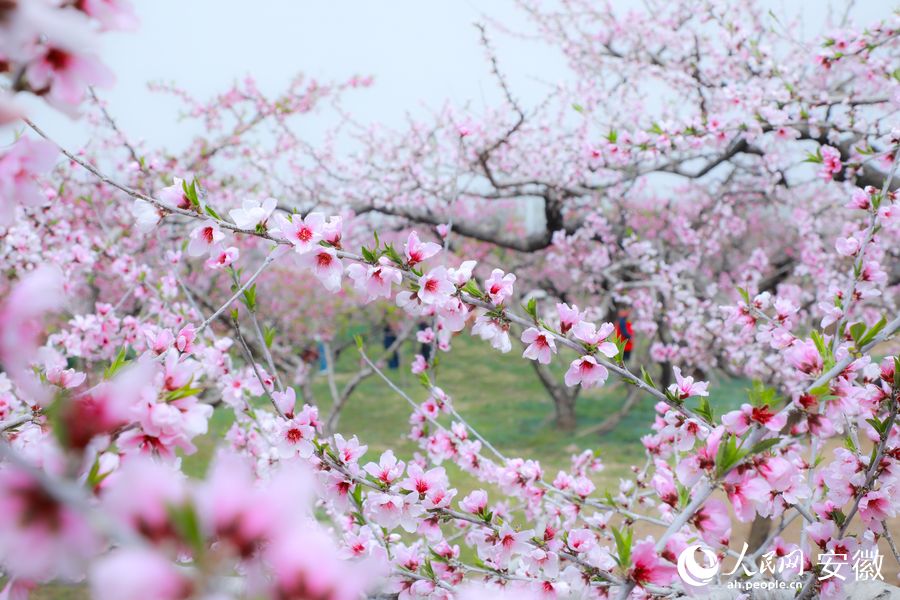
[531, 308]
[871, 333]
[185, 522]
[729, 454]
[745, 296]
[623, 546]
[763, 446]
[814, 158]
[704, 409]
[428, 569]
[472, 289]
[249, 298]
[646, 377]
[423, 379]
[359, 342]
[877, 425]
[368, 255]
[578, 108]
[392, 254]
[211, 212]
[856, 331]
[118, 362]
[761, 395]
[268, 336]
[184, 391]
[190, 192]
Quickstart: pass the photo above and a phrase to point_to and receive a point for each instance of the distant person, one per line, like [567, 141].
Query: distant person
[389, 338]
[625, 332]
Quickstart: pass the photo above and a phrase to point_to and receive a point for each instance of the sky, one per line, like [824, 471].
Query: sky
[421, 52]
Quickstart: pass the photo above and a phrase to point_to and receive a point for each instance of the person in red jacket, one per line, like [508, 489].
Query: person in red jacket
[624, 332]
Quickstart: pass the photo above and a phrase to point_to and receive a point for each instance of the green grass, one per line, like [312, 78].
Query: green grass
[500, 396]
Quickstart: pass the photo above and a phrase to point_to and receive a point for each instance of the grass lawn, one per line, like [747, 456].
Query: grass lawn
[500, 396]
[497, 394]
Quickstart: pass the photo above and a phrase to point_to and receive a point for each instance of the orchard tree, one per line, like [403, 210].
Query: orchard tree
[135, 304]
[693, 157]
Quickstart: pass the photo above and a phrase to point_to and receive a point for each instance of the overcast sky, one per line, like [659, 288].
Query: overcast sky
[419, 51]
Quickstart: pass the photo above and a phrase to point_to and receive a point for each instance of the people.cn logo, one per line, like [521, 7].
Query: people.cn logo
[693, 573]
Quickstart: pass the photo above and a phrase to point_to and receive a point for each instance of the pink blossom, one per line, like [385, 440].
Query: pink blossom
[492, 331]
[847, 246]
[388, 469]
[349, 451]
[223, 258]
[139, 494]
[589, 334]
[508, 543]
[333, 231]
[422, 482]
[475, 502]
[146, 215]
[587, 372]
[295, 438]
[686, 388]
[739, 421]
[59, 540]
[174, 195]
[65, 378]
[65, 75]
[417, 251]
[541, 346]
[205, 238]
[19, 166]
[646, 566]
[875, 507]
[327, 267]
[39, 292]
[713, 522]
[112, 14]
[805, 357]
[831, 162]
[462, 274]
[253, 213]
[582, 540]
[138, 574]
[861, 199]
[184, 341]
[391, 511]
[374, 281]
[499, 286]
[286, 401]
[306, 564]
[419, 364]
[303, 233]
[434, 287]
[568, 317]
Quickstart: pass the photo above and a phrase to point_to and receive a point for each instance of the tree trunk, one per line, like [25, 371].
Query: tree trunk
[759, 532]
[565, 412]
[610, 422]
[563, 398]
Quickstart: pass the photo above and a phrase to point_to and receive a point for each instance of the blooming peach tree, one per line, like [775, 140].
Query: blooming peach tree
[683, 155]
[142, 292]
